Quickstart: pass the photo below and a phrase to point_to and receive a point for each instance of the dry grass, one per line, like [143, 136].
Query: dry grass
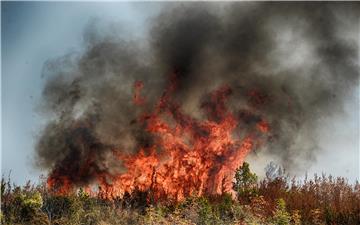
[321, 200]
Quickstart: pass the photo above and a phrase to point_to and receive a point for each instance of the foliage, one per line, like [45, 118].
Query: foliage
[276, 200]
[281, 216]
[245, 184]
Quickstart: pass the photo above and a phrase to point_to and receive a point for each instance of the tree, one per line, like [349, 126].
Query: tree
[245, 182]
[281, 216]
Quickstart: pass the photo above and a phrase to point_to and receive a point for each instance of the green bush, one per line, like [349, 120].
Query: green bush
[206, 215]
[281, 216]
[319, 201]
[245, 184]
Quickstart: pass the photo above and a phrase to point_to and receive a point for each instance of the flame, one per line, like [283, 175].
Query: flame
[187, 156]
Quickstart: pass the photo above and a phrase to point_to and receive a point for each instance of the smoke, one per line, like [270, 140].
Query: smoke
[291, 63]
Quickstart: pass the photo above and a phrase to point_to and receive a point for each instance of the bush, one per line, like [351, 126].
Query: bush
[281, 216]
[275, 201]
[245, 184]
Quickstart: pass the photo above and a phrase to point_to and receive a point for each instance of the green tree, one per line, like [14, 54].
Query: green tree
[245, 182]
[206, 215]
[281, 216]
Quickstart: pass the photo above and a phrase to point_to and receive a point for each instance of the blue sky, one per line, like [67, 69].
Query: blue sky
[32, 33]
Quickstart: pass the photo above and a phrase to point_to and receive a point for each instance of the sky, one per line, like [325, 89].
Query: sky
[34, 32]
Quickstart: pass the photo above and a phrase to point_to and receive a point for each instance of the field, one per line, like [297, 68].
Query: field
[276, 199]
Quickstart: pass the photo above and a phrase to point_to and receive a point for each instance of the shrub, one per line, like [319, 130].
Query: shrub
[223, 209]
[295, 217]
[321, 200]
[281, 216]
[245, 184]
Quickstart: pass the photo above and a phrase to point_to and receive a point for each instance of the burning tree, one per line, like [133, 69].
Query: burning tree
[187, 156]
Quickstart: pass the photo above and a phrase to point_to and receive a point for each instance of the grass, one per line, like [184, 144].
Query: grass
[279, 200]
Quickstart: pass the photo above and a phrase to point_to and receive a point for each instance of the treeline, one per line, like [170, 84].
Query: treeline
[276, 200]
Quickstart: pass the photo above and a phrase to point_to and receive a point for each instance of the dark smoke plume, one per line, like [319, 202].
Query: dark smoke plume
[301, 59]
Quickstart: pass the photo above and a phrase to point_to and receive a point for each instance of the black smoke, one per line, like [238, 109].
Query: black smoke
[300, 58]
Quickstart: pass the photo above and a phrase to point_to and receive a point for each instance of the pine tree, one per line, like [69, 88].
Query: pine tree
[245, 182]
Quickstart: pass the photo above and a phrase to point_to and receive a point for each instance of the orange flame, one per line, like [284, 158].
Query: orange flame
[187, 156]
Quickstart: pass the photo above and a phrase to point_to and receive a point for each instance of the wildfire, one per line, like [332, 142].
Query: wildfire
[187, 156]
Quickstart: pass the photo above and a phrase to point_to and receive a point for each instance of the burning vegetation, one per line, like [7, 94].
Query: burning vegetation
[186, 156]
[177, 114]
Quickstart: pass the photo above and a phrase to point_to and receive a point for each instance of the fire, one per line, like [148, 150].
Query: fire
[188, 156]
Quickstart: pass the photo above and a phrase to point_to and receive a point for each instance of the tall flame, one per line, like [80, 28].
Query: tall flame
[188, 156]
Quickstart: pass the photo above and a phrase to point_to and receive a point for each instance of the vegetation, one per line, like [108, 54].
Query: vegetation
[276, 200]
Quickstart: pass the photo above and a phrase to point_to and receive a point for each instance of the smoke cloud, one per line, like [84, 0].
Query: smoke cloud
[301, 60]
